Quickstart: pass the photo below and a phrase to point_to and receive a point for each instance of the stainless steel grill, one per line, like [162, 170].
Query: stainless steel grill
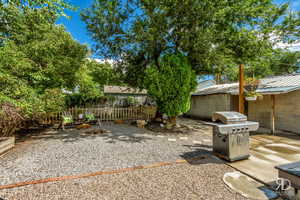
[231, 136]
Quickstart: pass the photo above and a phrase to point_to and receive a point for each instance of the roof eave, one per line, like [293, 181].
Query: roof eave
[210, 94]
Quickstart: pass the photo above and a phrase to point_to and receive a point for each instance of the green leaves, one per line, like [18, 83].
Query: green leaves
[208, 32]
[48, 61]
[170, 84]
[213, 35]
[285, 62]
[103, 73]
[37, 57]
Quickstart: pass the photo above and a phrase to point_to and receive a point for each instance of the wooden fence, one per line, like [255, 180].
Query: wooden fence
[103, 114]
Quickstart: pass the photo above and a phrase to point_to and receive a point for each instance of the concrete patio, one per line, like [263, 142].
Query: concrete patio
[268, 151]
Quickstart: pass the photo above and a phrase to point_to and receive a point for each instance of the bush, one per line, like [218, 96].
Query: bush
[10, 119]
[53, 100]
[131, 101]
[82, 100]
[170, 84]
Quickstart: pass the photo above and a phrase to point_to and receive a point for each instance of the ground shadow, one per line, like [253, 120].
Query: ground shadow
[125, 133]
[201, 156]
[114, 138]
[115, 133]
[269, 191]
[201, 146]
[290, 135]
[69, 135]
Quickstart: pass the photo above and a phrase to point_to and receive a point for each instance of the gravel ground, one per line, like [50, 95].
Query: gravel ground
[199, 180]
[54, 154]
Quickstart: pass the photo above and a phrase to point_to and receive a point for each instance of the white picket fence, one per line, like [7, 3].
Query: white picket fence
[102, 114]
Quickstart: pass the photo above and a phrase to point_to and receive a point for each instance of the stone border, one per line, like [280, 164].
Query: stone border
[6, 143]
[117, 171]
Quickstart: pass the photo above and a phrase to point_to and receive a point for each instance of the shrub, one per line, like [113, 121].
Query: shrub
[53, 100]
[170, 84]
[10, 119]
[131, 101]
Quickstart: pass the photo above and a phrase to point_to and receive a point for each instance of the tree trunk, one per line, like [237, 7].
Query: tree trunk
[172, 120]
[158, 115]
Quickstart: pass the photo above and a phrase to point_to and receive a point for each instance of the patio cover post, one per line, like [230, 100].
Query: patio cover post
[241, 89]
[273, 115]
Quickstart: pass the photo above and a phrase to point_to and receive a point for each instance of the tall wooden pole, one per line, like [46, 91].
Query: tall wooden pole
[241, 90]
[273, 115]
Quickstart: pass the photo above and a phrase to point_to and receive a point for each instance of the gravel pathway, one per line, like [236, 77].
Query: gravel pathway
[53, 154]
[199, 180]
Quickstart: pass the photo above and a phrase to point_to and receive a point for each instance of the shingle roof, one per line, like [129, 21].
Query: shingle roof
[110, 89]
[270, 85]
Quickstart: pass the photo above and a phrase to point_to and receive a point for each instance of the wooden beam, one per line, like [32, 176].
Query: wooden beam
[241, 90]
[273, 127]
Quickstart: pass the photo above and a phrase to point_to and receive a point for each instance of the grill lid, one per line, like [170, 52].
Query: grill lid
[229, 117]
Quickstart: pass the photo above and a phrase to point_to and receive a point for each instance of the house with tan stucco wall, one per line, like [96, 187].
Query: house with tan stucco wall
[278, 107]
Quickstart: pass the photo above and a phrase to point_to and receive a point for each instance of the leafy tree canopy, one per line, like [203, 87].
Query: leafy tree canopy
[208, 32]
[104, 73]
[37, 57]
[48, 61]
[20, 16]
[285, 62]
[90, 81]
[276, 63]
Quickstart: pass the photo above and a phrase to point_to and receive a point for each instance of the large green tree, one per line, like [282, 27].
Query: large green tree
[104, 73]
[37, 57]
[50, 60]
[17, 17]
[279, 62]
[285, 62]
[90, 80]
[208, 32]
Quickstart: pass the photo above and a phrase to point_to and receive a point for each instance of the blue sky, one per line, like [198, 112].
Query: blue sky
[78, 30]
[74, 25]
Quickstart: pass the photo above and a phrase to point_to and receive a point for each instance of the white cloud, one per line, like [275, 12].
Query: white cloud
[278, 43]
[110, 61]
[102, 61]
[292, 47]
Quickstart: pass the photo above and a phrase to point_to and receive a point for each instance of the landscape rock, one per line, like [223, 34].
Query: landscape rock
[119, 121]
[141, 123]
[83, 126]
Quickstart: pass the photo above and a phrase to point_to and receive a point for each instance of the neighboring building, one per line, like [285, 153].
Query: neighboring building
[214, 98]
[205, 84]
[278, 108]
[121, 93]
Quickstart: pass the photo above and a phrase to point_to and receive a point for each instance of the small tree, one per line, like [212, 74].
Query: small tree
[170, 83]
